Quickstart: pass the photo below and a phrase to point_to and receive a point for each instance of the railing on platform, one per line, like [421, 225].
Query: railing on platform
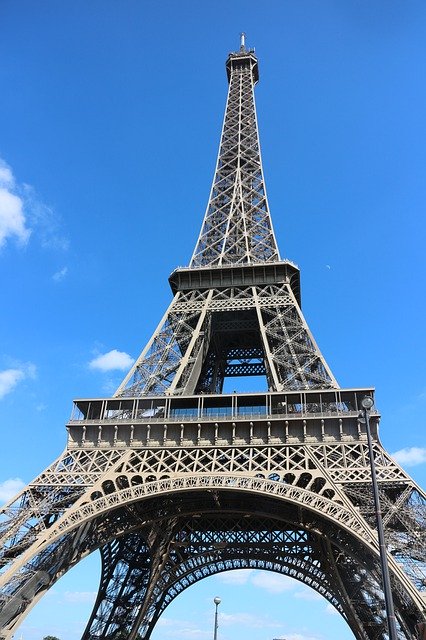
[318, 403]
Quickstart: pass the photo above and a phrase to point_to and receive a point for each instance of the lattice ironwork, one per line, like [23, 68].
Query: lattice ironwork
[192, 349]
[237, 226]
[174, 481]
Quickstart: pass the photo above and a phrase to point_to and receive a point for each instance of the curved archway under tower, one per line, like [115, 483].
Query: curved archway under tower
[177, 535]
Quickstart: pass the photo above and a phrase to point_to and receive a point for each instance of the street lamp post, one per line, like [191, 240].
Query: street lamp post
[217, 602]
[367, 403]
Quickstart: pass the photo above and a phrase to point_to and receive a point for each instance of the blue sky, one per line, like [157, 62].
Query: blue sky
[110, 116]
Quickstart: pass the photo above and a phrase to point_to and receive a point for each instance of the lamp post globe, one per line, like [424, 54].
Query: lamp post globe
[217, 602]
[367, 402]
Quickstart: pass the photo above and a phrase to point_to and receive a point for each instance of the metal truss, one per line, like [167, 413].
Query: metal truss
[208, 335]
[237, 226]
[118, 499]
[174, 481]
[225, 323]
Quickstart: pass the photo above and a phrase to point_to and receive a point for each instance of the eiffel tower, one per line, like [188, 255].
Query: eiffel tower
[174, 480]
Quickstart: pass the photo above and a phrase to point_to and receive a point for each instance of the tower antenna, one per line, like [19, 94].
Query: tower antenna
[243, 41]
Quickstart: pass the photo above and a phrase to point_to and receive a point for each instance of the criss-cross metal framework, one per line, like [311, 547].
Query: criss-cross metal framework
[173, 480]
[236, 309]
[237, 227]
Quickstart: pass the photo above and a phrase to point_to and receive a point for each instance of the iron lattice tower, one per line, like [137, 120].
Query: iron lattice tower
[174, 480]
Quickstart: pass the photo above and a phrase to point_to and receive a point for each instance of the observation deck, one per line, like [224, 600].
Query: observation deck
[242, 59]
[238, 275]
[329, 415]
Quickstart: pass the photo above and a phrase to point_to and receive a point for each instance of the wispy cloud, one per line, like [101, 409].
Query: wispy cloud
[190, 633]
[77, 597]
[44, 220]
[113, 360]
[272, 582]
[109, 386]
[191, 630]
[187, 630]
[23, 214]
[58, 276]
[244, 619]
[237, 576]
[10, 488]
[9, 378]
[267, 580]
[410, 456]
[6, 175]
[13, 223]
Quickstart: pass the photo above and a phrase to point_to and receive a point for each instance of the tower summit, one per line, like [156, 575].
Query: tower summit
[173, 480]
[236, 308]
[237, 227]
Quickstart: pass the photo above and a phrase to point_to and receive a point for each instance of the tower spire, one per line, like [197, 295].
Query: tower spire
[236, 309]
[237, 227]
[242, 41]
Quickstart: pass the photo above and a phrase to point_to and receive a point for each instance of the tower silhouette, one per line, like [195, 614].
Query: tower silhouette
[174, 480]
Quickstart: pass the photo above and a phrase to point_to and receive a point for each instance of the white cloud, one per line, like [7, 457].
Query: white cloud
[246, 620]
[410, 456]
[267, 580]
[190, 632]
[272, 582]
[10, 488]
[79, 596]
[12, 217]
[112, 360]
[60, 275]
[6, 175]
[182, 629]
[46, 222]
[22, 213]
[166, 622]
[9, 378]
[237, 576]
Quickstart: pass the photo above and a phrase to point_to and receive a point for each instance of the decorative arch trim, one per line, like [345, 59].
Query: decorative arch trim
[329, 509]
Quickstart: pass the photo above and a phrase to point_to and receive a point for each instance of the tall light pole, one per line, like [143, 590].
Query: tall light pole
[367, 403]
[217, 602]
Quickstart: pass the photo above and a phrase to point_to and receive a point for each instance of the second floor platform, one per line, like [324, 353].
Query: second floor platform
[237, 418]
